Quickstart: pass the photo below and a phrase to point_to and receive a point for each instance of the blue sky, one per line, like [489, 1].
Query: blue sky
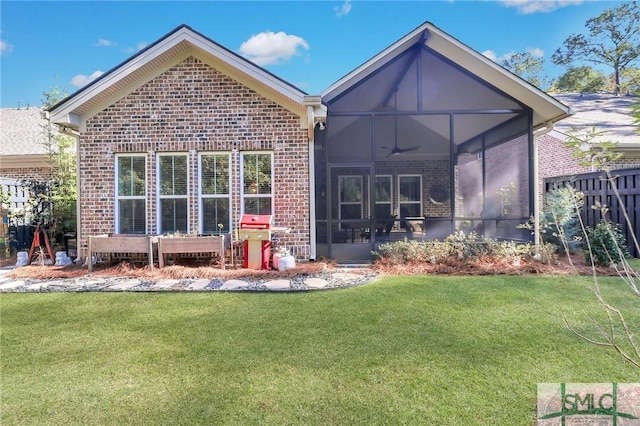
[309, 44]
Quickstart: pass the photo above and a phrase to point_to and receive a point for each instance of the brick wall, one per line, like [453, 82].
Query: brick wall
[556, 160]
[434, 173]
[187, 109]
[506, 169]
[39, 174]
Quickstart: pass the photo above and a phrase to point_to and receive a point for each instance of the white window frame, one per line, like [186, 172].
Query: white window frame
[350, 203]
[202, 196]
[162, 197]
[390, 202]
[116, 209]
[400, 202]
[243, 195]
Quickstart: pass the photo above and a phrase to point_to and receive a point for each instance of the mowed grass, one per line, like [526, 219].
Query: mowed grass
[401, 350]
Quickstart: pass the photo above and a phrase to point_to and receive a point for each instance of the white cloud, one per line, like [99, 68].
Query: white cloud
[271, 48]
[104, 42]
[533, 51]
[5, 47]
[343, 9]
[543, 6]
[82, 80]
[138, 47]
[491, 55]
[536, 52]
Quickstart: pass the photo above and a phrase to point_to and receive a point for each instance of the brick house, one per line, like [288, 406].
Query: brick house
[24, 155]
[607, 113]
[185, 136]
[188, 136]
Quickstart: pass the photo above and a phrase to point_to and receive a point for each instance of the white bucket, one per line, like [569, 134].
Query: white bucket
[286, 262]
[62, 259]
[22, 258]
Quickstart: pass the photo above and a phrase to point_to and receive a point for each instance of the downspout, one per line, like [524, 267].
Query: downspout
[78, 197]
[548, 127]
[76, 135]
[316, 113]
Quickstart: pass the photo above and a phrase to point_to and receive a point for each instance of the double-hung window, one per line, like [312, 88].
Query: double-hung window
[131, 184]
[215, 193]
[410, 195]
[383, 197]
[173, 193]
[351, 197]
[257, 183]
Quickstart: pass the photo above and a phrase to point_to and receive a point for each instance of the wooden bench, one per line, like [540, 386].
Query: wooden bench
[122, 243]
[193, 244]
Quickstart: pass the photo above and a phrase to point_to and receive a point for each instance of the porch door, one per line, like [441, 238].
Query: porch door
[350, 213]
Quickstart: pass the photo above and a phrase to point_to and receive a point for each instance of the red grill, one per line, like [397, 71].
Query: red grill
[256, 221]
[255, 230]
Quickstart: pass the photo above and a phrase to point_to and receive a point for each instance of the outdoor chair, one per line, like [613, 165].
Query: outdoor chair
[415, 228]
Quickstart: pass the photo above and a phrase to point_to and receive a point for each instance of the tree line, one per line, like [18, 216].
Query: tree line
[611, 41]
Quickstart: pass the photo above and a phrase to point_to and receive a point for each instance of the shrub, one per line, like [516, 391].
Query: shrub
[559, 224]
[608, 244]
[458, 246]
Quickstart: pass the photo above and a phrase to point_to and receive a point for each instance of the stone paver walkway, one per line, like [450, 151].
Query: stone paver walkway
[304, 282]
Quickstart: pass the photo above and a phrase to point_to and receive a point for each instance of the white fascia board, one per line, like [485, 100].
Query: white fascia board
[117, 74]
[558, 135]
[620, 147]
[372, 64]
[489, 71]
[25, 161]
[70, 119]
[246, 67]
[196, 41]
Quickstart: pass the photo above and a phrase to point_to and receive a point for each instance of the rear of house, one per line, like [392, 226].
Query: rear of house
[425, 138]
[188, 142]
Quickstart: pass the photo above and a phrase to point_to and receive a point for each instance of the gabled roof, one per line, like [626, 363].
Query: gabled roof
[174, 47]
[606, 112]
[23, 138]
[545, 108]
[22, 131]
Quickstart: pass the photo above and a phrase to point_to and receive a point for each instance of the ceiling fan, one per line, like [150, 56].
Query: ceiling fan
[395, 150]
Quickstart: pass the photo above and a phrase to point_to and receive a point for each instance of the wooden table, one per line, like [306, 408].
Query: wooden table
[191, 244]
[122, 243]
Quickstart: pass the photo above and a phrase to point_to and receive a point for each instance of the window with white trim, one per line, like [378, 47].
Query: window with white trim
[351, 197]
[215, 193]
[383, 197]
[257, 182]
[131, 184]
[173, 193]
[410, 195]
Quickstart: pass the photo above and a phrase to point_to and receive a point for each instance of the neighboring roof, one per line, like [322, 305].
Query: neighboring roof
[22, 131]
[545, 108]
[606, 112]
[174, 47]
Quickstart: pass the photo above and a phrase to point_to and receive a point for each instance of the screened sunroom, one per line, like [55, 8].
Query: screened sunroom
[427, 138]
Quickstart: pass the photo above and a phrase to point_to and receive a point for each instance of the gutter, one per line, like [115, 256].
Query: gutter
[316, 114]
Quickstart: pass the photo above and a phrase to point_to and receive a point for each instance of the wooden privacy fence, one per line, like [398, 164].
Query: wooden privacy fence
[597, 189]
[20, 231]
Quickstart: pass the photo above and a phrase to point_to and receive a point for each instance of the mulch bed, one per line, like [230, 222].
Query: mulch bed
[493, 266]
[483, 266]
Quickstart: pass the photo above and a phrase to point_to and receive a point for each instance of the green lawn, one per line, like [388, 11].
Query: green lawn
[402, 350]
